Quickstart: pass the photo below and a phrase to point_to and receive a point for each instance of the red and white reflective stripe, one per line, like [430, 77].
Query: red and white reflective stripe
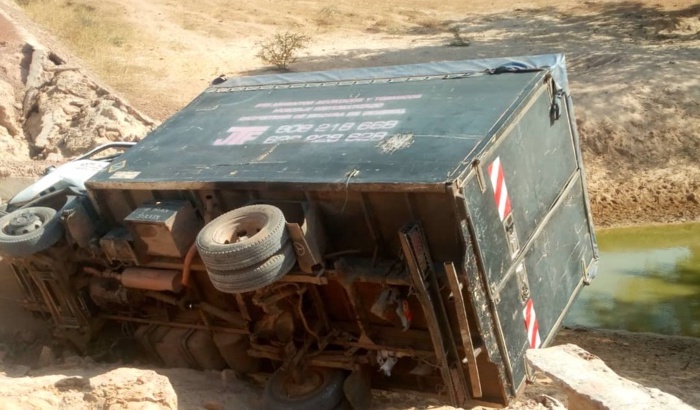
[500, 192]
[533, 331]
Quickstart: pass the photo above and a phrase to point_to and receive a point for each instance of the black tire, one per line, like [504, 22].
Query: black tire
[45, 231]
[214, 240]
[256, 276]
[325, 397]
[344, 405]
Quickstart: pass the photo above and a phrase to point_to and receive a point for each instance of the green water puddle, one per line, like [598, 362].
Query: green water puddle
[648, 281]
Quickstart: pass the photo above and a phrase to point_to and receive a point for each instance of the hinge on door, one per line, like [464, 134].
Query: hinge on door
[511, 235]
[588, 274]
[555, 107]
[521, 271]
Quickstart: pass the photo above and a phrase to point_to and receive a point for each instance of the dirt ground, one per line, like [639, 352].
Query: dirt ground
[671, 364]
[632, 67]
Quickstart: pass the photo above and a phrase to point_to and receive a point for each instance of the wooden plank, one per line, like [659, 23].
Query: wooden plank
[464, 331]
[421, 271]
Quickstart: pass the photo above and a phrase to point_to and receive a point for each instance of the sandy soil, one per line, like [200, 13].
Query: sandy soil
[671, 364]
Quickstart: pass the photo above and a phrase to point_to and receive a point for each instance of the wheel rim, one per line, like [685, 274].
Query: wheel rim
[312, 382]
[239, 230]
[23, 224]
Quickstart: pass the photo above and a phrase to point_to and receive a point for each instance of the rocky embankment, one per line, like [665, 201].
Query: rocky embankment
[51, 109]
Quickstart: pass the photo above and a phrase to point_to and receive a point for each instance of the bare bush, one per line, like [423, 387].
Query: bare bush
[281, 49]
[457, 40]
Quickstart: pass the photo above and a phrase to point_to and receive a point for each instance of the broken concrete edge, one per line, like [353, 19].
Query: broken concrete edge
[40, 54]
[591, 384]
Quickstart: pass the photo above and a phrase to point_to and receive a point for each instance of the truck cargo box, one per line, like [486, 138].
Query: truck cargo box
[411, 228]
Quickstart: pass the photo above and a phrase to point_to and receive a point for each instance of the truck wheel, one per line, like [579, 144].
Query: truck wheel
[322, 389]
[256, 276]
[344, 405]
[241, 238]
[30, 230]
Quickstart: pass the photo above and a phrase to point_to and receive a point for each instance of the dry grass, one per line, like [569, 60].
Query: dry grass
[95, 31]
[328, 16]
[387, 25]
[194, 22]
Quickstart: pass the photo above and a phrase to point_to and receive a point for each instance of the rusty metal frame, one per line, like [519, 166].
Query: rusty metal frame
[372, 224]
[307, 238]
[220, 329]
[465, 333]
[427, 290]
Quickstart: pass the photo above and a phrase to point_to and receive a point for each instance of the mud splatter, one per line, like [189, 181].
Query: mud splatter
[395, 143]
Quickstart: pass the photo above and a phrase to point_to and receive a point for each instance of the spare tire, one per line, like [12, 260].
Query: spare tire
[241, 238]
[29, 230]
[256, 276]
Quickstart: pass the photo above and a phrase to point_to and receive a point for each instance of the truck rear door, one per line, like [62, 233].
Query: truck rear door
[531, 226]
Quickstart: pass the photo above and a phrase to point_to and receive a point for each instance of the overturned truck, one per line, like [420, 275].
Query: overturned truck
[409, 228]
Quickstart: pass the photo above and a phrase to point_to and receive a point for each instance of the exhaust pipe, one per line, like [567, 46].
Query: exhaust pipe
[152, 279]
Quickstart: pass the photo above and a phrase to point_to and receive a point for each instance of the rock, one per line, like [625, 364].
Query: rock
[121, 389]
[90, 397]
[46, 357]
[591, 385]
[17, 371]
[8, 115]
[73, 112]
[72, 383]
[550, 402]
[50, 107]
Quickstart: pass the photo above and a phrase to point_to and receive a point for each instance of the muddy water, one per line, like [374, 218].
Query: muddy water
[648, 281]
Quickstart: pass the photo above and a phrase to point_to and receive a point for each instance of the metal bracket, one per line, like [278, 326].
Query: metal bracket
[555, 96]
[511, 235]
[495, 294]
[307, 239]
[521, 271]
[479, 175]
[588, 274]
